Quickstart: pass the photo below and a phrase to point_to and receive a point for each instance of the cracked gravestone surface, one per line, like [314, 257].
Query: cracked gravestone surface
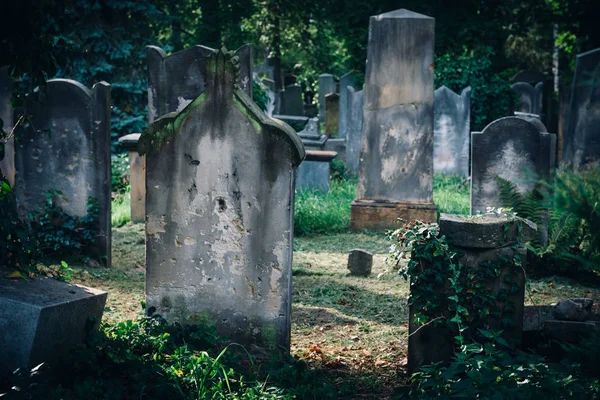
[396, 155]
[68, 151]
[451, 131]
[219, 214]
[582, 135]
[177, 79]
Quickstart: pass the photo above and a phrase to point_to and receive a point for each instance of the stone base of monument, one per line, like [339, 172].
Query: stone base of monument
[42, 319]
[313, 173]
[379, 215]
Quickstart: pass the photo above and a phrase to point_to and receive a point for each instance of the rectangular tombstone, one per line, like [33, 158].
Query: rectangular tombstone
[338, 145]
[177, 79]
[69, 152]
[511, 148]
[313, 173]
[346, 81]
[332, 114]
[7, 163]
[137, 177]
[326, 86]
[291, 101]
[219, 214]
[530, 98]
[396, 167]
[582, 135]
[42, 319]
[451, 131]
[354, 130]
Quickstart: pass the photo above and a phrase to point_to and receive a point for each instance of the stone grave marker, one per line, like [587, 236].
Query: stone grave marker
[582, 135]
[396, 157]
[291, 101]
[7, 164]
[346, 81]
[451, 131]
[314, 172]
[137, 177]
[530, 97]
[219, 214]
[513, 149]
[360, 262]
[354, 130]
[70, 152]
[326, 86]
[175, 80]
[332, 114]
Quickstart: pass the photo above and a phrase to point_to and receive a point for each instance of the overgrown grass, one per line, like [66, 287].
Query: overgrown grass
[121, 209]
[451, 193]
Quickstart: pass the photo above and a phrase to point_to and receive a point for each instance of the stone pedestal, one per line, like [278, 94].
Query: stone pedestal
[42, 319]
[137, 177]
[396, 156]
[313, 173]
[478, 241]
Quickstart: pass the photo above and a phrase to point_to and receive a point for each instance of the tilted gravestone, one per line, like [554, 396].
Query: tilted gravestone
[7, 154]
[219, 214]
[332, 114]
[326, 86]
[68, 151]
[291, 101]
[451, 131]
[582, 135]
[354, 130]
[513, 149]
[177, 79]
[346, 81]
[396, 167]
[530, 97]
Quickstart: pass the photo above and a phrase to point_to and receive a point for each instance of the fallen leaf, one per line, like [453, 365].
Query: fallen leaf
[15, 274]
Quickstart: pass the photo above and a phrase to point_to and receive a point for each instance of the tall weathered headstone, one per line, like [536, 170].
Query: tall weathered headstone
[291, 101]
[175, 80]
[326, 86]
[354, 130]
[332, 114]
[219, 214]
[346, 81]
[7, 164]
[69, 152]
[582, 135]
[530, 97]
[510, 148]
[396, 167]
[451, 131]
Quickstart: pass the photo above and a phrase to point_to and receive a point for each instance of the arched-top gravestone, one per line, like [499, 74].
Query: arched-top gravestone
[219, 214]
[530, 97]
[451, 131]
[175, 80]
[582, 136]
[68, 151]
[510, 148]
[7, 154]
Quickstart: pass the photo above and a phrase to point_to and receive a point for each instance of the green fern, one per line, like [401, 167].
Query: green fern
[532, 205]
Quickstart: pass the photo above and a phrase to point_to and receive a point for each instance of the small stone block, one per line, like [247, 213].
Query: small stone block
[570, 331]
[381, 215]
[534, 317]
[360, 262]
[573, 310]
[42, 319]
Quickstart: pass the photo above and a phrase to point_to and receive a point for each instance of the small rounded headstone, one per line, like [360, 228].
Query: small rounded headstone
[573, 310]
[360, 262]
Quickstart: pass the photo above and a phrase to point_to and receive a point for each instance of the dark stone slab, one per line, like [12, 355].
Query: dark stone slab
[175, 80]
[513, 149]
[291, 101]
[451, 131]
[582, 135]
[354, 130]
[338, 145]
[74, 158]
[347, 81]
[320, 155]
[326, 85]
[534, 317]
[42, 319]
[219, 215]
[130, 142]
[332, 114]
[7, 164]
[485, 231]
[530, 97]
[573, 309]
[570, 331]
[396, 156]
[360, 262]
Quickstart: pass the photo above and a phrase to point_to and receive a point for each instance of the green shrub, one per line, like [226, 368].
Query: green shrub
[119, 172]
[121, 209]
[260, 95]
[491, 96]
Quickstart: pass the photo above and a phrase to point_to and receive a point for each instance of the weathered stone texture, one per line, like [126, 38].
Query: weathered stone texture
[354, 130]
[347, 81]
[137, 177]
[451, 131]
[7, 164]
[219, 215]
[530, 97]
[291, 101]
[332, 114]
[177, 79]
[313, 173]
[573, 309]
[510, 148]
[360, 262]
[42, 319]
[326, 85]
[582, 135]
[70, 153]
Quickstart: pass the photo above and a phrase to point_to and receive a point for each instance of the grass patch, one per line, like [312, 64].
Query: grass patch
[451, 193]
[121, 209]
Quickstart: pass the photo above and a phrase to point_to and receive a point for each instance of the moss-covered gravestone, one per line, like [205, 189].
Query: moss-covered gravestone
[219, 214]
